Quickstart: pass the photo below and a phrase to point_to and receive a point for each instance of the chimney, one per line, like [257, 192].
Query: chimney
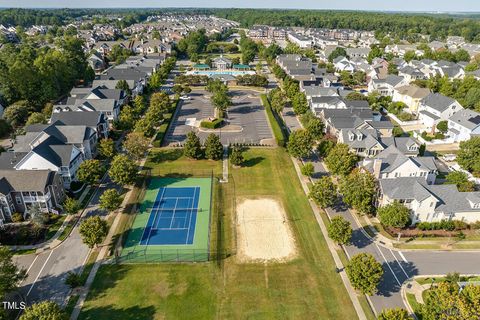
[377, 167]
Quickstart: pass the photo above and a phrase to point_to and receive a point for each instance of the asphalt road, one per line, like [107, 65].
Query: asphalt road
[47, 270]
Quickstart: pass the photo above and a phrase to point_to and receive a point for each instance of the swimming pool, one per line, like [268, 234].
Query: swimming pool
[221, 72]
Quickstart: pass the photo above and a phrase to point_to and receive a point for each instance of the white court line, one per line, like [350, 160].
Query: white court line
[388, 265]
[173, 215]
[399, 264]
[191, 214]
[402, 256]
[154, 218]
[39, 273]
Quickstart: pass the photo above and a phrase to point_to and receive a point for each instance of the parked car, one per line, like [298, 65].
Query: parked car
[185, 98]
[449, 157]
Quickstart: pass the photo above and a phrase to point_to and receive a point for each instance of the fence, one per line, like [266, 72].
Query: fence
[171, 255]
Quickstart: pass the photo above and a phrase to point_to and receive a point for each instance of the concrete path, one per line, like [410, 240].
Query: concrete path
[225, 164]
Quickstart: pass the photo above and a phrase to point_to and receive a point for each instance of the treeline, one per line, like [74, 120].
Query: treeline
[40, 75]
[402, 25]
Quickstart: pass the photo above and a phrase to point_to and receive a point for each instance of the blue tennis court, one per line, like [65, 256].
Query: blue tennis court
[173, 217]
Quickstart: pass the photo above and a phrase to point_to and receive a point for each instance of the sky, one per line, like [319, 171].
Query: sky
[385, 5]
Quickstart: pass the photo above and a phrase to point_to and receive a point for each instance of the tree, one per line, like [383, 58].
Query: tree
[213, 147]
[16, 114]
[71, 206]
[192, 148]
[300, 143]
[123, 85]
[10, 275]
[299, 103]
[442, 126]
[394, 314]
[324, 192]
[106, 148]
[123, 170]
[220, 101]
[460, 179]
[364, 273]
[313, 125]
[446, 301]
[5, 128]
[340, 230]
[338, 52]
[236, 157]
[394, 215]
[110, 200]
[358, 190]
[469, 155]
[340, 160]
[93, 230]
[356, 96]
[38, 217]
[90, 171]
[36, 118]
[45, 310]
[308, 169]
[136, 145]
[324, 147]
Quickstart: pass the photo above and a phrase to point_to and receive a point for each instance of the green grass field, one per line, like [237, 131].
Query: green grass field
[305, 288]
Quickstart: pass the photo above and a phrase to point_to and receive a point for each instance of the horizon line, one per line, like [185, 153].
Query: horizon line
[252, 8]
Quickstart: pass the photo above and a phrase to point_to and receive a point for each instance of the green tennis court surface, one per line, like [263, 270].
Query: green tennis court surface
[172, 223]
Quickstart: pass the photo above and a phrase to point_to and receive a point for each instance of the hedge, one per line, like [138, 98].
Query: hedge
[167, 120]
[276, 124]
[211, 124]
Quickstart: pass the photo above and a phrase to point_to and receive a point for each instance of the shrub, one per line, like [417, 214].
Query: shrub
[308, 169]
[404, 116]
[73, 280]
[460, 225]
[17, 217]
[214, 124]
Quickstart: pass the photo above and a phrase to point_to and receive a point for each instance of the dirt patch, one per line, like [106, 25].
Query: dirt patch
[263, 232]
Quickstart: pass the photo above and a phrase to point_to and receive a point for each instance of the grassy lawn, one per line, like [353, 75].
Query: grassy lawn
[412, 301]
[307, 287]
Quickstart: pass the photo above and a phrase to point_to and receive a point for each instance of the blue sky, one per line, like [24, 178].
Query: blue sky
[399, 5]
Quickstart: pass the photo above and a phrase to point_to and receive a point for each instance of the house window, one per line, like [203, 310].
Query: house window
[18, 199]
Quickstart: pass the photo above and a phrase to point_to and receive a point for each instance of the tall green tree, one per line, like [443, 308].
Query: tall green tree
[106, 148]
[213, 147]
[340, 160]
[192, 148]
[394, 314]
[10, 274]
[394, 215]
[364, 273]
[123, 170]
[460, 179]
[324, 192]
[90, 171]
[136, 145]
[300, 143]
[110, 200]
[340, 230]
[236, 156]
[93, 230]
[358, 190]
[469, 155]
[45, 310]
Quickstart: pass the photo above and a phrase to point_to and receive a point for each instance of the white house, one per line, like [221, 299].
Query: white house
[386, 86]
[430, 203]
[435, 108]
[343, 64]
[301, 40]
[410, 95]
[464, 124]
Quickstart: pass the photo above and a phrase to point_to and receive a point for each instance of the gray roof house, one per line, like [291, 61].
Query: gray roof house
[110, 107]
[430, 203]
[435, 108]
[463, 125]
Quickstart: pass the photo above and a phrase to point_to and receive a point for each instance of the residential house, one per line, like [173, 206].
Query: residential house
[410, 95]
[430, 203]
[301, 40]
[109, 107]
[358, 52]
[435, 108]
[343, 64]
[387, 86]
[96, 62]
[391, 163]
[463, 125]
[95, 120]
[21, 190]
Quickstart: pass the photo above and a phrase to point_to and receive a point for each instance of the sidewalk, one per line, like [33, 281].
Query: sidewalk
[101, 258]
[53, 241]
[331, 246]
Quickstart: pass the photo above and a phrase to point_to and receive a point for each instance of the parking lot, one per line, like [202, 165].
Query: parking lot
[246, 120]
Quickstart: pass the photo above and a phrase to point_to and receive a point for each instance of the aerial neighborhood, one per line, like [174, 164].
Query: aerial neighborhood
[241, 159]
